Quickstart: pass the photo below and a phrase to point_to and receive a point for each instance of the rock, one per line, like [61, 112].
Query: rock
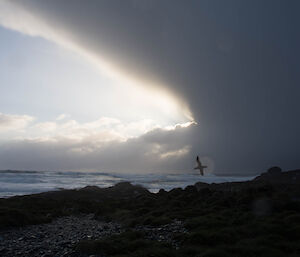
[276, 176]
[54, 239]
[162, 191]
[274, 170]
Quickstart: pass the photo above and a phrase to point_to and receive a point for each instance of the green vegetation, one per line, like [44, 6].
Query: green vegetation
[247, 219]
[129, 243]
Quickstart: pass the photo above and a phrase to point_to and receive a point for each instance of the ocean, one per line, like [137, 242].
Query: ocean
[29, 182]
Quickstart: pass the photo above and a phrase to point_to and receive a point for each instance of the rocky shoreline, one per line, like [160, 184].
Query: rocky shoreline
[256, 218]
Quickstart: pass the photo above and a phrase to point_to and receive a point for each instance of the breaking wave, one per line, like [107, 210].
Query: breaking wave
[29, 182]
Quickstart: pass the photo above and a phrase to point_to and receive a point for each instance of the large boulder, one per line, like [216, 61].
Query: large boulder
[274, 170]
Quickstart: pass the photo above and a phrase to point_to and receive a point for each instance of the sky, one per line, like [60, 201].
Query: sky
[146, 86]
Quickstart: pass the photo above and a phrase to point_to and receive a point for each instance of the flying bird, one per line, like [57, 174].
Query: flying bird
[200, 167]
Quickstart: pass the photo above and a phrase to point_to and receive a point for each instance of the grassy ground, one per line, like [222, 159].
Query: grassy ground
[246, 219]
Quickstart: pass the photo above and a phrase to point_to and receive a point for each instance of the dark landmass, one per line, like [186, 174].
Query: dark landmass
[254, 218]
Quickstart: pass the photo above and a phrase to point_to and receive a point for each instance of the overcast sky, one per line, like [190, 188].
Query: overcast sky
[145, 86]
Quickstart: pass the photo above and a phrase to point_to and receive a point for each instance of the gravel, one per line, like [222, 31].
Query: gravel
[56, 238]
[164, 233]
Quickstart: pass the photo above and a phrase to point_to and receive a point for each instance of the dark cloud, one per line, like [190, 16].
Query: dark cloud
[155, 151]
[236, 63]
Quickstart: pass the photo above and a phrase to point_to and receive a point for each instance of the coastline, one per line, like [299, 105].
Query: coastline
[201, 219]
[31, 182]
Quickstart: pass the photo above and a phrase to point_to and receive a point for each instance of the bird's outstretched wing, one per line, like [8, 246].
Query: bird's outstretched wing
[198, 161]
[201, 172]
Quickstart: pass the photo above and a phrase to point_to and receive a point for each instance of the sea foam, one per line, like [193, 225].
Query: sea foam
[28, 182]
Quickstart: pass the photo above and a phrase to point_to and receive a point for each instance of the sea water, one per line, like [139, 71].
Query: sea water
[29, 182]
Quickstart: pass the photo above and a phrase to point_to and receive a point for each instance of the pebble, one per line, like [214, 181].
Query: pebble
[54, 239]
[164, 233]
[58, 238]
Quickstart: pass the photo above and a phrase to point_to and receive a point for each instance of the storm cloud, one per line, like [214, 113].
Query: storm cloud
[156, 151]
[234, 63]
